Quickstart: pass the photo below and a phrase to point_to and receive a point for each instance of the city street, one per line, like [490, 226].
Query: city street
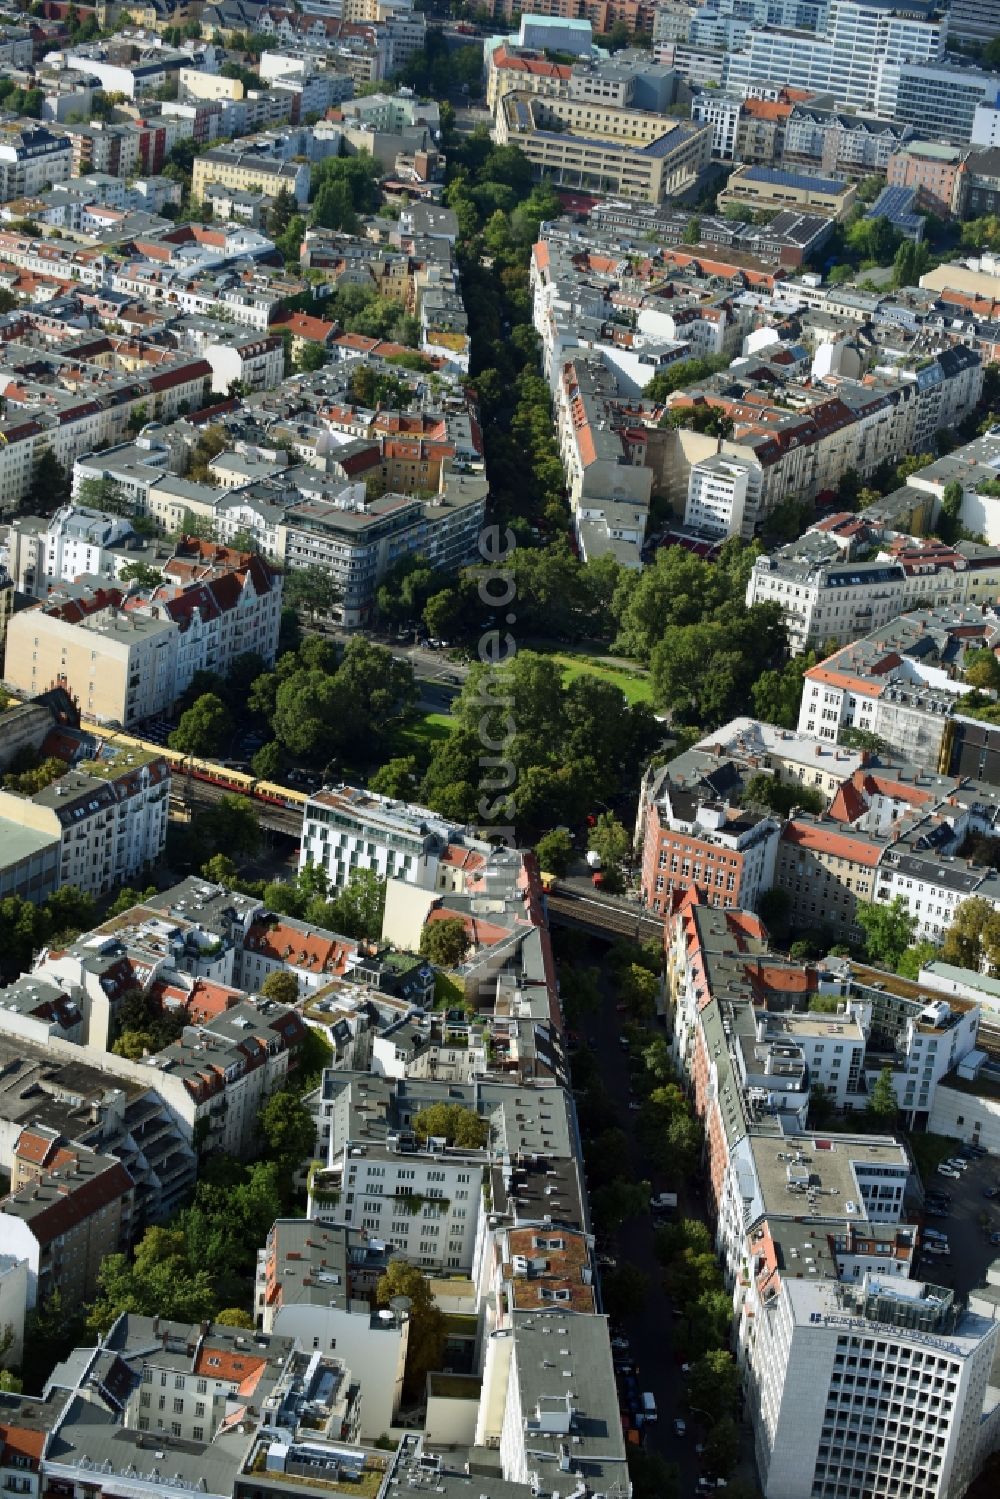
[650, 1329]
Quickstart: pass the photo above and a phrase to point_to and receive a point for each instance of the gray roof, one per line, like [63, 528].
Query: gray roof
[569, 1400]
[90, 1434]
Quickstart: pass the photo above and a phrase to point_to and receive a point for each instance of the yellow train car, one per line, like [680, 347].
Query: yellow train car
[209, 771]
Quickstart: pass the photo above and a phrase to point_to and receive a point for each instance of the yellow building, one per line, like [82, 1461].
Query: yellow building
[770, 190]
[592, 147]
[250, 171]
[211, 86]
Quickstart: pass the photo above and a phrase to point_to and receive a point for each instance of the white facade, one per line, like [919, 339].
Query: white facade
[347, 829]
[846, 1397]
[13, 1303]
[77, 542]
[32, 161]
[717, 495]
[845, 58]
[426, 1204]
[260, 364]
[108, 830]
[723, 114]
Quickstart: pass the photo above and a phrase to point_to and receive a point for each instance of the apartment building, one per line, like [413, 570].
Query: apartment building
[76, 541]
[717, 496]
[609, 487]
[826, 870]
[126, 657]
[825, 598]
[51, 1101]
[32, 160]
[107, 817]
[67, 1221]
[357, 541]
[587, 146]
[935, 169]
[793, 758]
[896, 684]
[250, 170]
[696, 833]
[316, 1283]
[839, 144]
[345, 829]
[424, 1201]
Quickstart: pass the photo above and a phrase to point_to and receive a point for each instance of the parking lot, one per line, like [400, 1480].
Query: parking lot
[972, 1218]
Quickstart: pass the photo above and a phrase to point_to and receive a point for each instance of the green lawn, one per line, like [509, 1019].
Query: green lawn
[426, 732]
[637, 688]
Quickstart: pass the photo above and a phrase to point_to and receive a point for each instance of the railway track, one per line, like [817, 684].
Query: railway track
[187, 793]
[601, 916]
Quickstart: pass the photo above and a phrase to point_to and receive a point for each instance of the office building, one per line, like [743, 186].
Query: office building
[591, 147]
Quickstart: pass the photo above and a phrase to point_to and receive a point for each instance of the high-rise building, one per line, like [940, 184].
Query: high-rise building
[845, 57]
[875, 1388]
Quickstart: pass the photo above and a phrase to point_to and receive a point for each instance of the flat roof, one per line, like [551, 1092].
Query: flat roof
[828, 1164]
[17, 842]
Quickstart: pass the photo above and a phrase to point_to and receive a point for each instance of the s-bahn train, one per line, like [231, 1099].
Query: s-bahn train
[205, 770]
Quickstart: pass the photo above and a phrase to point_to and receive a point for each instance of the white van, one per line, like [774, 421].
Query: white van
[648, 1406]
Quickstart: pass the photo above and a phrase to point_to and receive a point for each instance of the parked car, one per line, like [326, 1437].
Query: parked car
[992, 1192]
[957, 1162]
[995, 1238]
[944, 1170]
[680, 1427]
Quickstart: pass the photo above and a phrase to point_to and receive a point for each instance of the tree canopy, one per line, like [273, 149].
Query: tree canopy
[454, 1123]
[445, 942]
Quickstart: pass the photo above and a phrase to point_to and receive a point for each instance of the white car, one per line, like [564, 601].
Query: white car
[944, 1170]
[957, 1163]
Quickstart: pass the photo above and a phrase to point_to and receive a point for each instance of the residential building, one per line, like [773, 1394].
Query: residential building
[839, 144]
[252, 170]
[32, 160]
[424, 1200]
[316, 1283]
[826, 869]
[128, 656]
[77, 541]
[717, 495]
[346, 829]
[107, 817]
[935, 169]
[553, 1411]
[13, 1309]
[895, 683]
[67, 1222]
[358, 541]
[696, 833]
[827, 598]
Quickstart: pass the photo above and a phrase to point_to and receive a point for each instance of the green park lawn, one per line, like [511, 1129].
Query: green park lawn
[424, 733]
[636, 687]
